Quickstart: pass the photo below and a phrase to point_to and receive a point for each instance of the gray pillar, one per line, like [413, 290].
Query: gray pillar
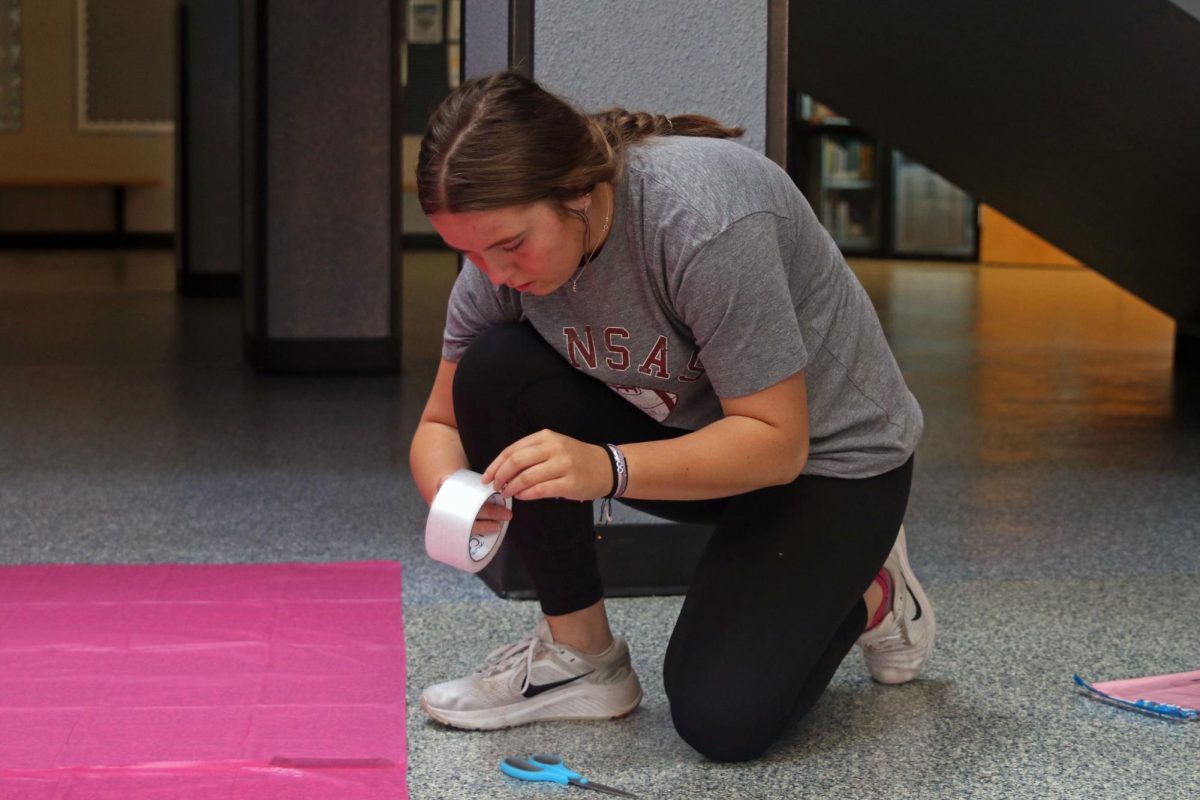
[321, 177]
[671, 57]
[486, 39]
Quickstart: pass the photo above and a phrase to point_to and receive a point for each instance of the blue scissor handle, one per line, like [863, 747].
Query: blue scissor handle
[538, 768]
[555, 763]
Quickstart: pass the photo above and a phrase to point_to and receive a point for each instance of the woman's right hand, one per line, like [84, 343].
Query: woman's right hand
[488, 521]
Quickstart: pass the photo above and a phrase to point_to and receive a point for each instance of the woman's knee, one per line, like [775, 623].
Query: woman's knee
[493, 357]
[497, 369]
[508, 384]
[725, 726]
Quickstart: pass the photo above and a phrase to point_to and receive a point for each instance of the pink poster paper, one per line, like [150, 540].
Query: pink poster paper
[1178, 689]
[238, 682]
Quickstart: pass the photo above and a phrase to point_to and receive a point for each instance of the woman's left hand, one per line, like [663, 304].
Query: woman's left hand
[548, 464]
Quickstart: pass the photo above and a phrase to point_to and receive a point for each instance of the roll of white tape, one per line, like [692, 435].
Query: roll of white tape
[448, 536]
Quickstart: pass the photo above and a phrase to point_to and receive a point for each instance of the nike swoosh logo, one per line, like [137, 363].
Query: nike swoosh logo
[534, 689]
[916, 616]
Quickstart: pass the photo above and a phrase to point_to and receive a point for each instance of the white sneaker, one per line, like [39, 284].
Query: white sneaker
[535, 680]
[897, 649]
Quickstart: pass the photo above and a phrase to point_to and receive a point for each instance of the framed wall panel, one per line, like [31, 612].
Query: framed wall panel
[126, 65]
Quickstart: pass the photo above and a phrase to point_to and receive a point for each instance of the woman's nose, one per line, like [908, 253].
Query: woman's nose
[498, 269]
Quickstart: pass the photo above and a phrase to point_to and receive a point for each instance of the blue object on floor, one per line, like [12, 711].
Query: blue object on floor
[1144, 706]
[552, 769]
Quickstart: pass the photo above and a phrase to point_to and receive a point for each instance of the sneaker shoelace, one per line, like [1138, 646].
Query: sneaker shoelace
[506, 657]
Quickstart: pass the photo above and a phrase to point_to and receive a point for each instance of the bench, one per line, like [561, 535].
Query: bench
[117, 237]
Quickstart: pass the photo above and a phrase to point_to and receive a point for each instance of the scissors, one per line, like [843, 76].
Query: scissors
[552, 768]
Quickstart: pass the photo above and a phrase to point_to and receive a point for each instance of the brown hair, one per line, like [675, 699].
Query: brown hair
[503, 140]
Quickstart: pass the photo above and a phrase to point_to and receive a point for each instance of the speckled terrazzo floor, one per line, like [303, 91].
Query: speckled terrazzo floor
[1055, 521]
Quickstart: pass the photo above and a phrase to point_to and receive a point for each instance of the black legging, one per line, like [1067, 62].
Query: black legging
[776, 601]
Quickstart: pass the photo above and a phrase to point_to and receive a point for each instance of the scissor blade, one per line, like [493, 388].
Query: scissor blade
[600, 787]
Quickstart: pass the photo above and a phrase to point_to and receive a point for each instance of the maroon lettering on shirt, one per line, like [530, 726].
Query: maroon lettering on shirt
[657, 360]
[574, 343]
[611, 334]
[696, 369]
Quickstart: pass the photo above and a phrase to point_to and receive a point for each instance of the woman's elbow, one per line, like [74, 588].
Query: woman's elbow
[792, 464]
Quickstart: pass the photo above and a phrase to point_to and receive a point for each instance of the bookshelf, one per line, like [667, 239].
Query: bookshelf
[846, 192]
[874, 200]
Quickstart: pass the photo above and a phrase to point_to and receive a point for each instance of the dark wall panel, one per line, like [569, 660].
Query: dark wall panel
[208, 150]
[322, 149]
[1077, 118]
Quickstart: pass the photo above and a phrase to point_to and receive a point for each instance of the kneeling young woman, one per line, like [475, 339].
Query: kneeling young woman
[651, 311]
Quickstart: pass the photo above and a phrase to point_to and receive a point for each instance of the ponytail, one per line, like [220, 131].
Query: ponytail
[622, 128]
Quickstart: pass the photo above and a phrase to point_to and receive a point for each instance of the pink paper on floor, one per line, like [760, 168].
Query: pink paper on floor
[174, 681]
[1178, 689]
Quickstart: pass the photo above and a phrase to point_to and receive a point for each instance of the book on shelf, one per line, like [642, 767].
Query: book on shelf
[847, 161]
[845, 222]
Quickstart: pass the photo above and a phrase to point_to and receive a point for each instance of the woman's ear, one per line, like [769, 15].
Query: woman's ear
[579, 203]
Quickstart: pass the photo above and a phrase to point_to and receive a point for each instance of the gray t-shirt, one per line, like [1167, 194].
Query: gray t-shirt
[717, 280]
